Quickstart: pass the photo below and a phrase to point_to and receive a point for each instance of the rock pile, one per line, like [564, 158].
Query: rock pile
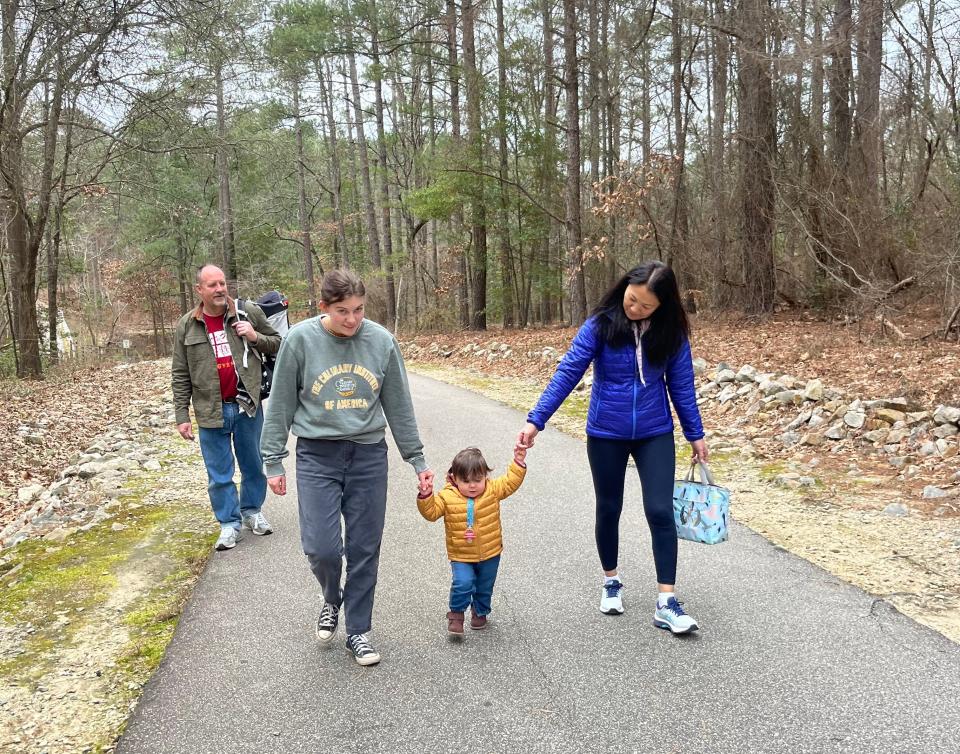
[85, 493]
[809, 414]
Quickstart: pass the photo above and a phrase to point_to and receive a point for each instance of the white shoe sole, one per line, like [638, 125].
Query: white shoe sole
[365, 661]
[612, 611]
[669, 627]
[324, 640]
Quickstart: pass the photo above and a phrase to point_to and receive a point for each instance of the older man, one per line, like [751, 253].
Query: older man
[217, 366]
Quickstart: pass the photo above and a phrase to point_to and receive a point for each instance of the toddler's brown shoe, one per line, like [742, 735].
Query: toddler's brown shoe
[478, 622]
[455, 623]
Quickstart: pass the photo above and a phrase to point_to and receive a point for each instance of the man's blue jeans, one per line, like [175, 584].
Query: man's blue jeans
[473, 584]
[243, 433]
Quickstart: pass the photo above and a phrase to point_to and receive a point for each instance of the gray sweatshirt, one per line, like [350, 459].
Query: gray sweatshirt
[327, 387]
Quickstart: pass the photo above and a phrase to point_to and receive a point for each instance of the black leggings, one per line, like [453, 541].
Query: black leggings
[656, 462]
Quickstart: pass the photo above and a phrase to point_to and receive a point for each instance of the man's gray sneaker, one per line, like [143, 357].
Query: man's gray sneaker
[229, 536]
[327, 622]
[359, 646]
[258, 524]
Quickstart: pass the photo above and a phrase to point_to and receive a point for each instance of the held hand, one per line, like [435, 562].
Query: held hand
[278, 484]
[185, 430]
[525, 438]
[426, 482]
[245, 330]
[519, 454]
[700, 451]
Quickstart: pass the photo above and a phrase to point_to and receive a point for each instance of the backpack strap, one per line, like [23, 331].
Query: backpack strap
[241, 311]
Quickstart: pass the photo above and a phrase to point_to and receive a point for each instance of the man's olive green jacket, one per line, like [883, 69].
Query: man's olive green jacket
[195, 366]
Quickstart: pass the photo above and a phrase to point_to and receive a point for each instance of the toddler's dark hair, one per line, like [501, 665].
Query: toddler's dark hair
[469, 465]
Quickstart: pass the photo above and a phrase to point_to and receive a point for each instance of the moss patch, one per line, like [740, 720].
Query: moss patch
[86, 621]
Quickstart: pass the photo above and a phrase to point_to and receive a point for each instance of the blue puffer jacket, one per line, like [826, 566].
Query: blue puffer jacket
[623, 404]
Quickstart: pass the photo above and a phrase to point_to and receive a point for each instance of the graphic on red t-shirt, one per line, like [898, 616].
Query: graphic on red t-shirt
[221, 351]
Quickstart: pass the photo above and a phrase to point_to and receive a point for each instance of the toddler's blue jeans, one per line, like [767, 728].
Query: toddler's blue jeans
[473, 585]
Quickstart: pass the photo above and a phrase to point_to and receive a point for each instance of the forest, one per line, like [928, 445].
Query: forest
[480, 163]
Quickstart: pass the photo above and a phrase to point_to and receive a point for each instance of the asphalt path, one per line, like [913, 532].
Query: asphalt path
[789, 658]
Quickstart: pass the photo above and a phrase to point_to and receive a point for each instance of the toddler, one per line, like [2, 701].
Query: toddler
[470, 507]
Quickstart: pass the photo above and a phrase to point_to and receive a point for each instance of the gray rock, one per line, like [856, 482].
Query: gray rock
[725, 375]
[813, 391]
[896, 509]
[915, 417]
[946, 449]
[944, 430]
[928, 449]
[817, 419]
[854, 419]
[896, 435]
[836, 432]
[728, 393]
[699, 366]
[807, 481]
[802, 418]
[789, 480]
[876, 436]
[788, 397]
[29, 493]
[790, 438]
[89, 469]
[711, 388]
[771, 387]
[930, 492]
[898, 462]
[746, 374]
[946, 414]
[152, 465]
[745, 389]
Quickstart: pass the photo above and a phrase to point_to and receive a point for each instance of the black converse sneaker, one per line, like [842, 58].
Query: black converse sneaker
[327, 622]
[362, 652]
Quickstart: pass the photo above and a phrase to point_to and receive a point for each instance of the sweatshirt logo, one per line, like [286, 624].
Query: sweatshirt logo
[346, 386]
[346, 381]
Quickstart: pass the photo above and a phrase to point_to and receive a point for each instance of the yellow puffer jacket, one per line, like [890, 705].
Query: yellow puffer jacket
[488, 536]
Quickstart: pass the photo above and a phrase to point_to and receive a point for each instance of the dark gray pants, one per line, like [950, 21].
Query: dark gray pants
[343, 479]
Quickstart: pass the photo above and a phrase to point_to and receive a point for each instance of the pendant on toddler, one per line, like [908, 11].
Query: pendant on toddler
[469, 535]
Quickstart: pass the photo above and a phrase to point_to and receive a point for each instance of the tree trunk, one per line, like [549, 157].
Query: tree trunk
[506, 261]
[867, 126]
[679, 224]
[336, 181]
[227, 245]
[840, 75]
[302, 214]
[548, 170]
[478, 209]
[758, 145]
[384, 173]
[373, 236]
[575, 285]
[463, 284]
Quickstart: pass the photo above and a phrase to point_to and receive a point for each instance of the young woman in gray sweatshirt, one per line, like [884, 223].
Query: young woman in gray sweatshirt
[338, 381]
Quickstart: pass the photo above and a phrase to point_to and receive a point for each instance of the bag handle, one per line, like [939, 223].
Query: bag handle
[705, 475]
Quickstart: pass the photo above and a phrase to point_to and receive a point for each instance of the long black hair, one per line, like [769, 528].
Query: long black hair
[668, 323]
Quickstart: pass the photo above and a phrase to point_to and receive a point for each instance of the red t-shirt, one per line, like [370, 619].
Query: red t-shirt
[226, 370]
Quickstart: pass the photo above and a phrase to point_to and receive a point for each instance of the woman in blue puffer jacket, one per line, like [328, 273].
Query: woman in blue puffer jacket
[638, 341]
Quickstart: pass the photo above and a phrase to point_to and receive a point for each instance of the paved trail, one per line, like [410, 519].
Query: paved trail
[789, 658]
